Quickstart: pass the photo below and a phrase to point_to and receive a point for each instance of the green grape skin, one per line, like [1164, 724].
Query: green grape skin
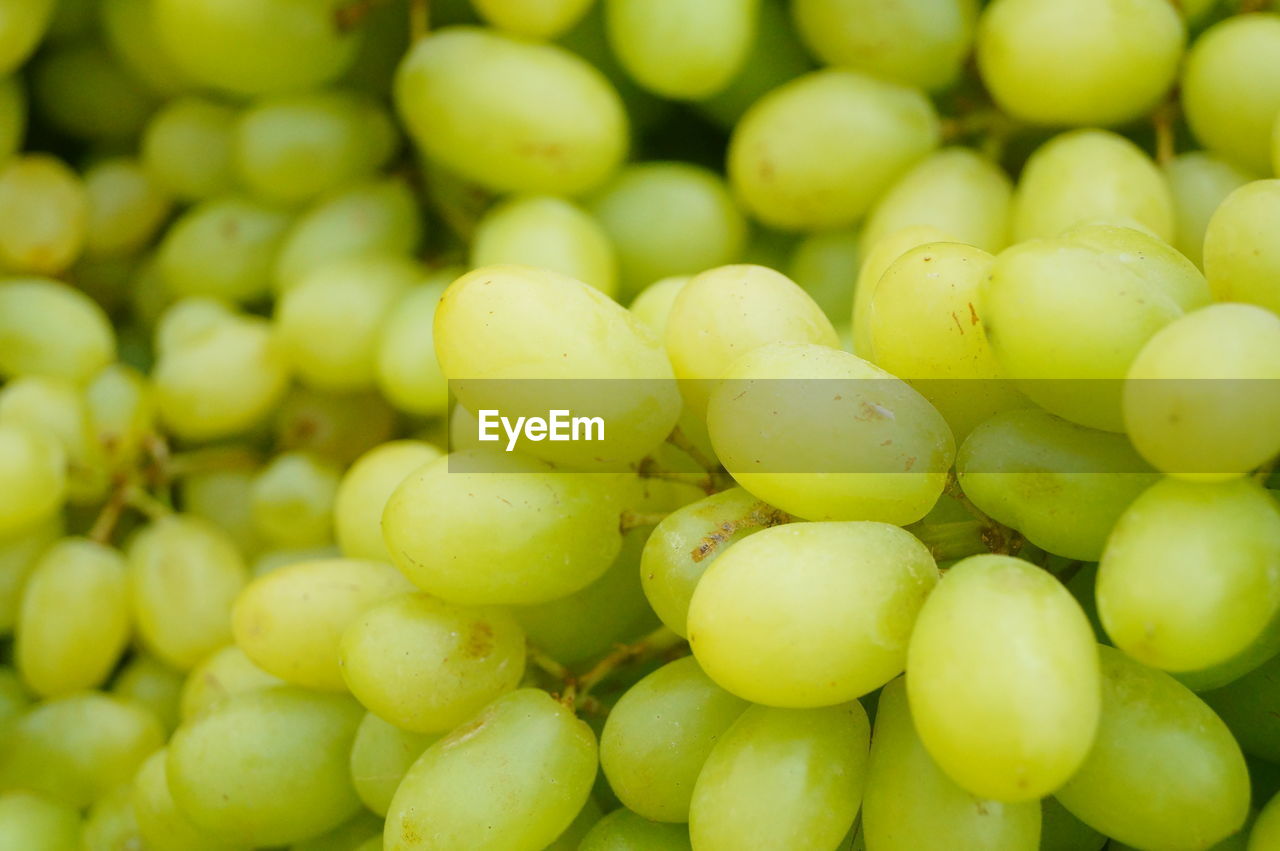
[184, 574]
[225, 672]
[1007, 727]
[782, 778]
[270, 561]
[1240, 260]
[667, 219]
[1200, 182]
[85, 92]
[153, 684]
[658, 736]
[878, 257]
[1231, 88]
[1246, 706]
[819, 150]
[829, 458]
[1159, 601]
[364, 490]
[1091, 177]
[20, 549]
[78, 747]
[57, 408]
[14, 698]
[1081, 307]
[475, 100]
[110, 824]
[162, 826]
[826, 265]
[347, 836]
[266, 767]
[45, 212]
[542, 19]
[483, 527]
[1063, 486]
[511, 779]
[292, 500]
[290, 622]
[223, 497]
[1061, 831]
[13, 116]
[186, 147]
[653, 305]
[126, 208]
[911, 805]
[922, 43]
[335, 427]
[33, 467]
[407, 372]
[225, 248]
[1266, 829]
[23, 24]
[623, 830]
[35, 823]
[130, 33]
[373, 844]
[1163, 771]
[380, 756]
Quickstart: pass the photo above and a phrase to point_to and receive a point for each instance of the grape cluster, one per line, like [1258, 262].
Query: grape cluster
[934, 506]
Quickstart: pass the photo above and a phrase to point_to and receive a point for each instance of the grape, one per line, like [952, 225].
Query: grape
[224, 497]
[348, 836]
[819, 150]
[22, 25]
[920, 43]
[852, 588]
[781, 778]
[55, 408]
[292, 500]
[550, 233]
[33, 468]
[225, 672]
[152, 684]
[272, 560]
[20, 549]
[380, 756]
[131, 35]
[1012, 727]
[225, 248]
[1061, 831]
[125, 208]
[653, 305]
[84, 92]
[407, 371]
[1164, 771]
[509, 114]
[1200, 182]
[534, 18]
[511, 779]
[878, 258]
[1240, 260]
[1246, 705]
[186, 147]
[44, 211]
[35, 823]
[826, 265]
[160, 823]
[1266, 830]
[335, 427]
[365, 489]
[110, 824]
[13, 116]
[290, 621]
[623, 830]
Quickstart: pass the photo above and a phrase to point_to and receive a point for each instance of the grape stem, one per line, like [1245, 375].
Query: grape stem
[998, 537]
[1163, 121]
[681, 441]
[653, 645]
[109, 517]
[146, 504]
[648, 469]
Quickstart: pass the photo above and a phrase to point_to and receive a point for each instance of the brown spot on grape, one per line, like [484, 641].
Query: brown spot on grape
[479, 641]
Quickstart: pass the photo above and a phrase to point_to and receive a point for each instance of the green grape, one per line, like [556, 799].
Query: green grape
[74, 620]
[126, 208]
[533, 18]
[348, 836]
[1266, 830]
[623, 830]
[122, 413]
[826, 264]
[82, 90]
[1247, 706]
[290, 622]
[14, 700]
[33, 822]
[549, 233]
[79, 747]
[782, 778]
[224, 498]
[825, 435]
[154, 685]
[184, 574]
[511, 779]
[1012, 727]
[653, 305]
[225, 248]
[33, 468]
[22, 25]
[510, 114]
[679, 50]
[20, 549]
[337, 427]
[660, 733]
[1164, 771]
[225, 672]
[363, 493]
[911, 805]
[1061, 831]
[1061, 485]
[110, 824]
[1200, 182]
[131, 35]
[186, 148]
[1098, 62]
[374, 217]
[818, 151]
[920, 43]
[852, 588]
[1189, 578]
[879, 256]
[266, 767]
[956, 190]
[281, 45]
[57, 409]
[1080, 307]
[727, 312]
[407, 371]
[1231, 88]
[1091, 177]
[292, 500]
[380, 756]
[1240, 260]
[13, 116]
[666, 219]
[373, 844]
[161, 824]
[44, 211]
[272, 560]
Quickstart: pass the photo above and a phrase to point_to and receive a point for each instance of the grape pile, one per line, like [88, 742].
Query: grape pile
[935, 350]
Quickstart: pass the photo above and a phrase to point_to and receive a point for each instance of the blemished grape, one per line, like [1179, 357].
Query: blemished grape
[1240, 262]
[550, 233]
[878, 257]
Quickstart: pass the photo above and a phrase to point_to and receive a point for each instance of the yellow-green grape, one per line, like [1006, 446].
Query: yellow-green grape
[781, 778]
[74, 620]
[375, 217]
[130, 33]
[85, 92]
[511, 779]
[878, 257]
[549, 233]
[184, 575]
[154, 685]
[533, 18]
[1080, 307]
[1241, 261]
[660, 733]
[22, 25]
[826, 264]
[825, 435]
[292, 500]
[407, 371]
[499, 326]
[1061, 831]
[910, 804]
[1247, 706]
[363, 493]
[1091, 177]
[45, 212]
[13, 116]
[1063, 486]
[380, 756]
[1200, 182]
[226, 672]
[851, 588]
[266, 767]
[20, 549]
[667, 219]
[224, 498]
[348, 836]
[1007, 726]
[1265, 832]
[79, 747]
[225, 248]
[1190, 579]
[272, 560]
[56, 408]
[162, 825]
[186, 148]
[14, 699]
[477, 101]
[373, 844]
[1089, 62]
[1231, 88]
[33, 468]
[122, 413]
[679, 50]
[290, 622]
[1199, 401]
[653, 305]
[110, 824]
[338, 427]
[818, 151]
[622, 830]
[920, 43]
[126, 207]
[34, 822]
[1163, 771]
